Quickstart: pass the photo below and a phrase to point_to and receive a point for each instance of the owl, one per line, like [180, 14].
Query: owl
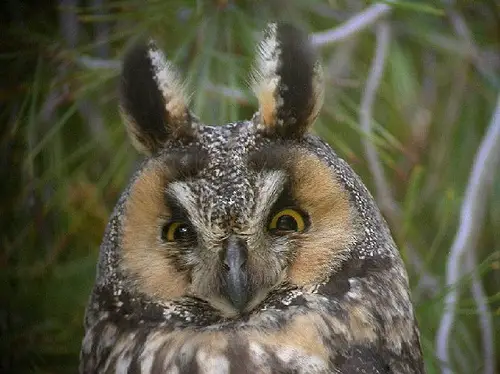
[249, 247]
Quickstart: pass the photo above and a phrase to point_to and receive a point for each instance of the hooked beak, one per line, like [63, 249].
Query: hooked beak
[235, 272]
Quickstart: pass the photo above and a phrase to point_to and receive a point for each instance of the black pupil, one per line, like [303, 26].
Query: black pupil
[182, 232]
[286, 223]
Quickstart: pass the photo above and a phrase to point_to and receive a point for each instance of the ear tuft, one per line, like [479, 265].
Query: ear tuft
[152, 99]
[287, 81]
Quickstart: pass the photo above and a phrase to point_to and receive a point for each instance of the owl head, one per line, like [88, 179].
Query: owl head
[230, 215]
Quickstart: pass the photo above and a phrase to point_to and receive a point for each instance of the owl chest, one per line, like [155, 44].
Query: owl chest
[306, 343]
[298, 347]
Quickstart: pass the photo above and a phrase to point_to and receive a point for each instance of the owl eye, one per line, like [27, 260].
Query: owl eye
[177, 231]
[287, 220]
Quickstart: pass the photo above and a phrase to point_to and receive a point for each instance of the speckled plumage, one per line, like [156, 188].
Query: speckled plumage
[358, 318]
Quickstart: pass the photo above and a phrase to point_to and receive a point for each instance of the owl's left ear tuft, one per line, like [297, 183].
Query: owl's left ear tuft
[288, 82]
[152, 99]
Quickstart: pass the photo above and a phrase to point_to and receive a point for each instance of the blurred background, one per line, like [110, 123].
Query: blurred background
[411, 90]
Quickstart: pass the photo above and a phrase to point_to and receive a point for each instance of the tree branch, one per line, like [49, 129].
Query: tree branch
[93, 63]
[101, 30]
[356, 24]
[382, 188]
[383, 193]
[68, 21]
[471, 218]
[484, 314]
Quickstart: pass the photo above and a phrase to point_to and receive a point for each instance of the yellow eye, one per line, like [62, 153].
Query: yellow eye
[177, 231]
[287, 220]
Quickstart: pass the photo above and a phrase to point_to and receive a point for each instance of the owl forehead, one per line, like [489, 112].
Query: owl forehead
[226, 186]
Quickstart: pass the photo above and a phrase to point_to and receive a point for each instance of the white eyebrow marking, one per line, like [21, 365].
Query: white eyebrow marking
[271, 186]
[185, 196]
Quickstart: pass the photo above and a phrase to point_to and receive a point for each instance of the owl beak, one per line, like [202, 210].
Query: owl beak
[235, 274]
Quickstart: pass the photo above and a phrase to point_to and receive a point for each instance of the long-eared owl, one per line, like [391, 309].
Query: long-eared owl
[244, 248]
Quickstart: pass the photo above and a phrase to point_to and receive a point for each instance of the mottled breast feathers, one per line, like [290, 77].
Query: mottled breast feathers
[249, 247]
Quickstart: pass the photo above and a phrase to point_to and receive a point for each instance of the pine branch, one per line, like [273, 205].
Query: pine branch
[484, 314]
[471, 218]
[383, 193]
[351, 27]
[382, 188]
[93, 63]
[101, 30]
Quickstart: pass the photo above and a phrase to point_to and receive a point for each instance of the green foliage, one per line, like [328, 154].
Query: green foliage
[66, 157]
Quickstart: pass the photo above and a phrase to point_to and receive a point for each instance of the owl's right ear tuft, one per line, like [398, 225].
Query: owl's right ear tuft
[152, 99]
[288, 82]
